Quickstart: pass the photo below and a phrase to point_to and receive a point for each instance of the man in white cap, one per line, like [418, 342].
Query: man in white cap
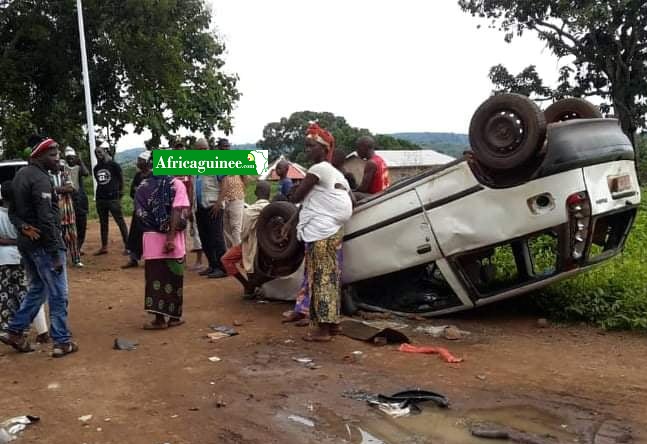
[78, 171]
[136, 232]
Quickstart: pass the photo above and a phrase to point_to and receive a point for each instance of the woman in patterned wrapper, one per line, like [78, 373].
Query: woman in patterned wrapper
[326, 205]
[162, 205]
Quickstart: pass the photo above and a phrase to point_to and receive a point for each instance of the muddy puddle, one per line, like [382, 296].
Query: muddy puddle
[433, 425]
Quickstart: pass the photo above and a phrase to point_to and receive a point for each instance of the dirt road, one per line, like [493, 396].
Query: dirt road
[564, 382]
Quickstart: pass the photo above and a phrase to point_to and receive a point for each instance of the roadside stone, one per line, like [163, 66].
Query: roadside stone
[237, 323]
[452, 333]
[542, 323]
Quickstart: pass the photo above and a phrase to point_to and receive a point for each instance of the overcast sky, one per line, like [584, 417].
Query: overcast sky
[411, 65]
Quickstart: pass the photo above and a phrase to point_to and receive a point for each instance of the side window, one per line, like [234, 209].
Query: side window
[7, 172]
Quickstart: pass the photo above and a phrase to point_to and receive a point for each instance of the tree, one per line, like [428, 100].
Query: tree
[287, 136]
[155, 64]
[607, 40]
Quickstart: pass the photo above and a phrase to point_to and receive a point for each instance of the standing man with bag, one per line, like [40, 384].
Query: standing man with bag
[209, 216]
[34, 212]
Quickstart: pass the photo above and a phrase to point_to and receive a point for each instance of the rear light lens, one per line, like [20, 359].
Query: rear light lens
[579, 211]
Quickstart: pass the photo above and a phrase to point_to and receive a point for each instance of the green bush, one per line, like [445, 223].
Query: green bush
[612, 296]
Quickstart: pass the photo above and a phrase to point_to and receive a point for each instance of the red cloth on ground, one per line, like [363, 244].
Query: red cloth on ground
[443, 352]
[232, 257]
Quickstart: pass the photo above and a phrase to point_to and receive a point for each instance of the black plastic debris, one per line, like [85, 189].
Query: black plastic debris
[125, 344]
[399, 404]
[417, 397]
[362, 332]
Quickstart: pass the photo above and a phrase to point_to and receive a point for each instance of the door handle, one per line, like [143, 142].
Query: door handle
[424, 249]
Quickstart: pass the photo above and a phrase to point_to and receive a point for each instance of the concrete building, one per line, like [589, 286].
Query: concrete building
[401, 163]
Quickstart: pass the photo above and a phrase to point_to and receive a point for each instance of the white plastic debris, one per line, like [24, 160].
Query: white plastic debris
[10, 428]
[85, 418]
[215, 359]
[301, 420]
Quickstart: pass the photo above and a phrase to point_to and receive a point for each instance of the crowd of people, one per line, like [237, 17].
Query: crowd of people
[43, 219]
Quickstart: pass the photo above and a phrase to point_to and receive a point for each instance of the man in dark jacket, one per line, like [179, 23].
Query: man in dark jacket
[110, 190]
[34, 212]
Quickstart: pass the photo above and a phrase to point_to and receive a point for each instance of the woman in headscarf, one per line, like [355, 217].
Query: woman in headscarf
[64, 190]
[325, 207]
[162, 204]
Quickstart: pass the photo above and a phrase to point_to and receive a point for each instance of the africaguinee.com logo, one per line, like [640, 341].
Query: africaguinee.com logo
[209, 163]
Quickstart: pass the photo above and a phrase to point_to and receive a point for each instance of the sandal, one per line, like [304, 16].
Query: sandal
[317, 338]
[152, 325]
[18, 342]
[61, 350]
[175, 322]
[292, 316]
[305, 322]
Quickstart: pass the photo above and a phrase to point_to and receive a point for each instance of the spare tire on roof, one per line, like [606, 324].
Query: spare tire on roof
[506, 131]
[569, 109]
[268, 232]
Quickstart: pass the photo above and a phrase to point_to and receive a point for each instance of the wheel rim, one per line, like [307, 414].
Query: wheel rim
[568, 115]
[504, 133]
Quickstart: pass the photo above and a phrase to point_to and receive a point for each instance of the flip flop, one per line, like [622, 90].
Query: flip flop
[154, 326]
[292, 317]
[305, 322]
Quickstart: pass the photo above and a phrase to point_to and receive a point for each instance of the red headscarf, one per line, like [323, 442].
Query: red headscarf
[323, 137]
[42, 147]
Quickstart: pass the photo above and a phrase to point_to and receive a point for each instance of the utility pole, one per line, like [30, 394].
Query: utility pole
[88, 97]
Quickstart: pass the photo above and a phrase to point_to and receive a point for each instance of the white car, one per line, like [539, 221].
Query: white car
[498, 223]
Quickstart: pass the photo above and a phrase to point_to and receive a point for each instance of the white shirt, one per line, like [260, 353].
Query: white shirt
[325, 209]
[9, 254]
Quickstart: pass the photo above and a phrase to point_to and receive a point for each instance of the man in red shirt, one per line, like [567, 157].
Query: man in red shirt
[376, 172]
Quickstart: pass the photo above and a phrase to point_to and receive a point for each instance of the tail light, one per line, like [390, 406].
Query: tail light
[579, 212]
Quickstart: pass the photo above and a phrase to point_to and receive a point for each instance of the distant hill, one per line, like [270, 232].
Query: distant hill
[245, 146]
[452, 144]
[128, 156]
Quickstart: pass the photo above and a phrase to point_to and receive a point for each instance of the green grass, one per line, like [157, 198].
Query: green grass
[250, 198]
[612, 296]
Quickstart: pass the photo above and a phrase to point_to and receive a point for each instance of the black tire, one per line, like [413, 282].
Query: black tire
[569, 109]
[506, 131]
[268, 228]
[348, 302]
